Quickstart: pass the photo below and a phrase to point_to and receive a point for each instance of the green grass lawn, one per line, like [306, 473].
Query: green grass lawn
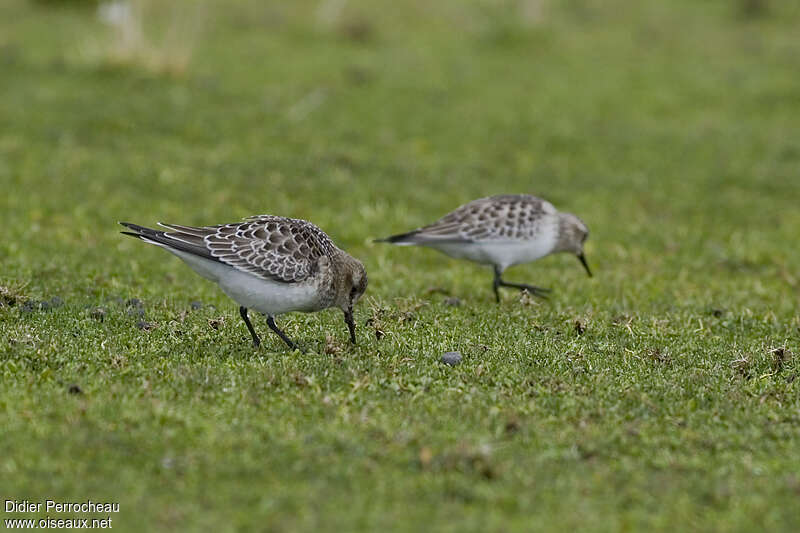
[661, 394]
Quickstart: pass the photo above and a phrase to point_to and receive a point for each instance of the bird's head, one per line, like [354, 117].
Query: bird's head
[351, 284]
[572, 234]
[357, 283]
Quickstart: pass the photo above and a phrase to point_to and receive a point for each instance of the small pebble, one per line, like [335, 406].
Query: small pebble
[196, 305]
[452, 301]
[30, 306]
[451, 358]
[136, 311]
[75, 389]
[144, 325]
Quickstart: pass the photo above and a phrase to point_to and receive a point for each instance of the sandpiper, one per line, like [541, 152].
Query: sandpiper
[502, 231]
[268, 263]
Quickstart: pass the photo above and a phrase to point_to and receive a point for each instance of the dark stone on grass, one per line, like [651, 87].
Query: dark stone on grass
[30, 306]
[196, 305]
[47, 305]
[136, 312]
[98, 313]
[452, 301]
[717, 312]
[451, 358]
[512, 426]
[134, 302]
[75, 389]
[144, 325]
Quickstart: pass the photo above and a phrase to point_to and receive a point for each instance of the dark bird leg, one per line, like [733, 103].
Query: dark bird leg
[348, 318]
[256, 340]
[498, 282]
[281, 334]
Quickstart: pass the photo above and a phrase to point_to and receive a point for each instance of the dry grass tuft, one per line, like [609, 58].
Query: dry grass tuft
[780, 356]
[11, 296]
[742, 366]
[159, 37]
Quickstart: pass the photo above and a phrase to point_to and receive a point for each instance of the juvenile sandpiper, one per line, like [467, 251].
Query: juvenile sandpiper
[502, 231]
[268, 263]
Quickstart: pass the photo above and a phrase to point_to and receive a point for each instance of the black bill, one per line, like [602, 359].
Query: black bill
[585, 265]
[348, 318]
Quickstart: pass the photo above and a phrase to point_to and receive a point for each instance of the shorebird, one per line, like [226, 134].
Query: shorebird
[268, 263]
[502, 231]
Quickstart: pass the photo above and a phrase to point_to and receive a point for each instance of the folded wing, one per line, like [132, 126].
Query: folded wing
[267, 246]
[506, 217]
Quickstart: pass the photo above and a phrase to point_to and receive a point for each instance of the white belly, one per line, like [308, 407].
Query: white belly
[265, 296]
[503, 254]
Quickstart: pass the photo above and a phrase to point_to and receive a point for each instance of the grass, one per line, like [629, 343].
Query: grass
[660, 394]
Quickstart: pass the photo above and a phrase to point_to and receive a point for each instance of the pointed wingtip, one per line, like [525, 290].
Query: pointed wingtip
[400, 238]
[136, 230]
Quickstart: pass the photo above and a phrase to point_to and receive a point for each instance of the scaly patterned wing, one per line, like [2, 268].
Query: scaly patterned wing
[267, 246]
[505, 217]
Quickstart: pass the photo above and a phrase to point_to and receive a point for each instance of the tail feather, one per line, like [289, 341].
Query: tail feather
[400, 238]
[176, 240]
[139, 231]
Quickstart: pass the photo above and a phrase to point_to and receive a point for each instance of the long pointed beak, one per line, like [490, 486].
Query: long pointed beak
[348, 318]
[585, 265]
